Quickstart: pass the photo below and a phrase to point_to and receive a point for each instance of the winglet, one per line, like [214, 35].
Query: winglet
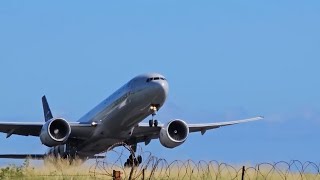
[46, 109]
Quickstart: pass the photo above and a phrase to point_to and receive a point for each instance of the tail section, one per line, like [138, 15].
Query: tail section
[46, 109]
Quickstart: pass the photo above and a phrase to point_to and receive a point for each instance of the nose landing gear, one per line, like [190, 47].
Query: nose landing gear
[153, 122]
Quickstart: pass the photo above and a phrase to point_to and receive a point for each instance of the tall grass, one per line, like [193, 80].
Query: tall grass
[160, 169]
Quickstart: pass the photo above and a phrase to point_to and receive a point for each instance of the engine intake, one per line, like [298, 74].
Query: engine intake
[174, 133]
[55, 132]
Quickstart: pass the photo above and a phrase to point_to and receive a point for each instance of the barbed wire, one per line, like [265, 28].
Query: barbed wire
[158, 168]
[153, 167]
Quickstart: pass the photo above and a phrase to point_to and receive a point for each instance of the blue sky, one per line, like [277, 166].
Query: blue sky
[224, 60]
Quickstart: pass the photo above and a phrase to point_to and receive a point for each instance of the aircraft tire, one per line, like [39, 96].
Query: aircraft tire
[150, 123]
[139, 159]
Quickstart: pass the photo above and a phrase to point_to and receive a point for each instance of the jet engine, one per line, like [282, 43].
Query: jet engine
[55, 132]
[174, 133]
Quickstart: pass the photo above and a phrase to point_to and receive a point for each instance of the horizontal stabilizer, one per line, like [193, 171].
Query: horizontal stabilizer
[35, 156]
[22, 156]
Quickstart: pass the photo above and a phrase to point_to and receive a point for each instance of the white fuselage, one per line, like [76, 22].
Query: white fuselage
[117, 115]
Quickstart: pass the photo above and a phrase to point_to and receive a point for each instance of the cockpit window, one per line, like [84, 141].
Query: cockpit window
[156, 79]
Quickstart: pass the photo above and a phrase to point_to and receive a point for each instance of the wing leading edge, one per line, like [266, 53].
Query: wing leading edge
[78, 130]
[144, 133]
[207, 126]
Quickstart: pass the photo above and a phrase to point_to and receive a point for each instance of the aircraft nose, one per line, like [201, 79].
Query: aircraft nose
[164, 87]
[161, 88]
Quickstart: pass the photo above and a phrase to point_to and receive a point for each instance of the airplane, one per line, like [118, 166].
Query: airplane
[116, 119]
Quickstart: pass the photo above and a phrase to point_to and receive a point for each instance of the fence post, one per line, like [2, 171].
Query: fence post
[116, 175]
[243, 170]
[143, 174]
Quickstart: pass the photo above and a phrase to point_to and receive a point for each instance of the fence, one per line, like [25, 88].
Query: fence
[112, 167]
[156, 168]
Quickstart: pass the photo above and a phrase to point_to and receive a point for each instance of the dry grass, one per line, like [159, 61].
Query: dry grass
[61, 169]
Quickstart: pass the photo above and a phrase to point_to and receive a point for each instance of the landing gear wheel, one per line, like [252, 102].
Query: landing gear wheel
[151, 123]
[139, 159]
[128, 163]
[133, 162]
[136, 163]
[155, 123]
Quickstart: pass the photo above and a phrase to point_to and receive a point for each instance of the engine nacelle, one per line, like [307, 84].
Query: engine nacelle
[174, 133]
[55, 132]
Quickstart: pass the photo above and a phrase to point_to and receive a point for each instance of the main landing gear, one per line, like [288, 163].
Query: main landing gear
[153, 122]
[133, 160]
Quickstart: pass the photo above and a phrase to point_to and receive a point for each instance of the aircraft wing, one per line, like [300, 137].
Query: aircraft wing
[78, 130]
[37, 156]
[21, 128]
[144, 133]
[22, 156]
[207, 126]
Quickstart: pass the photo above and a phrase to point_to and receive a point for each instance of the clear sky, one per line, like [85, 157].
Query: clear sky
[224, 60]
